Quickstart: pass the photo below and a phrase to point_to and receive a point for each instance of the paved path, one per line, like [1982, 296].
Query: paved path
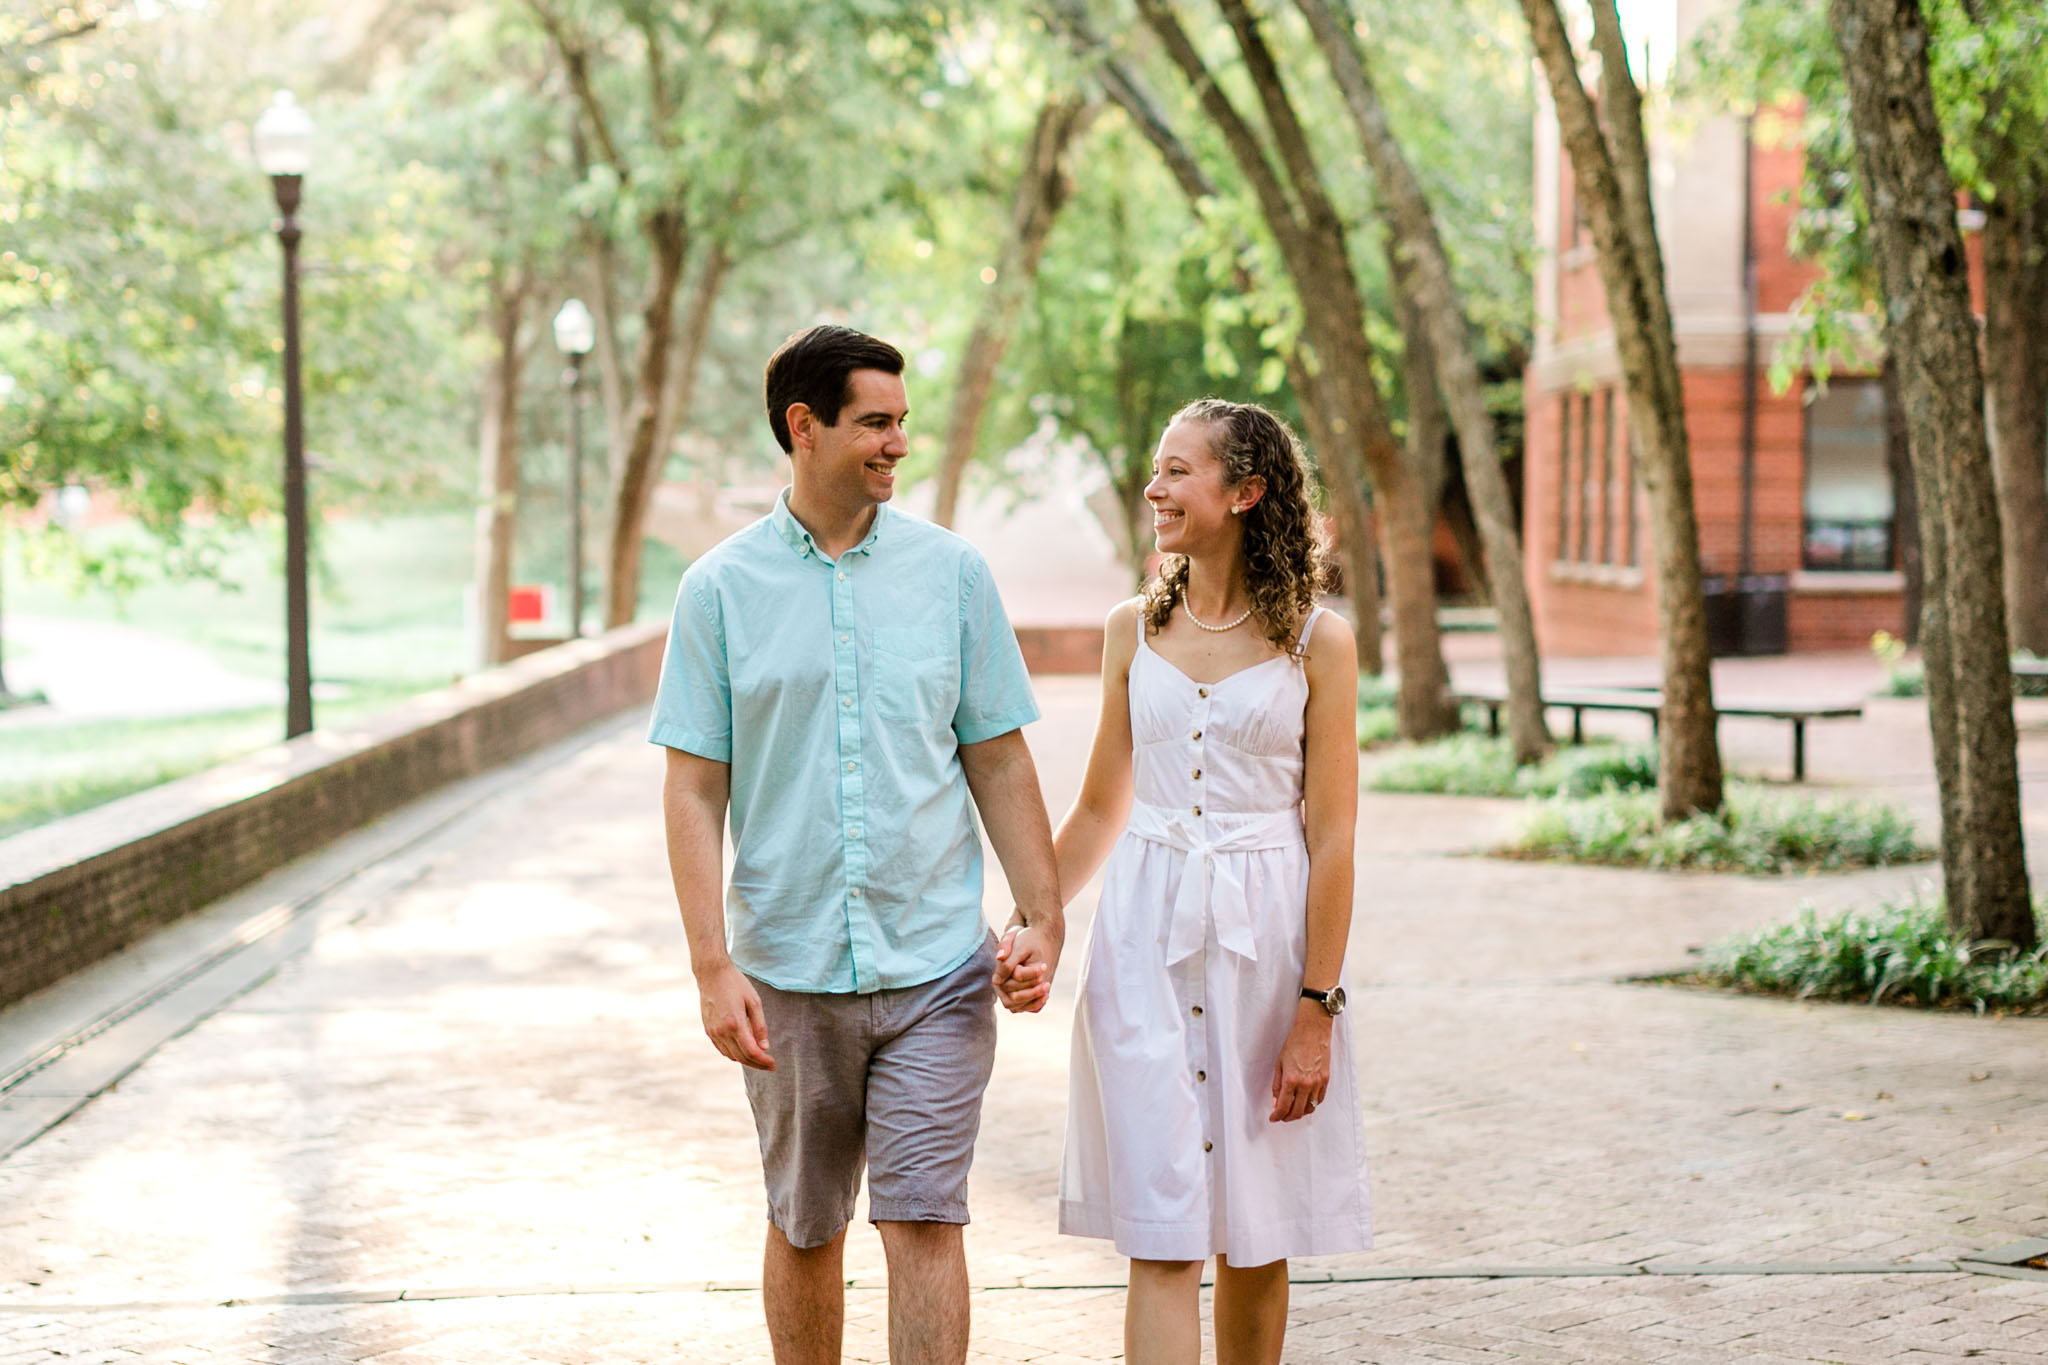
[479, 1124]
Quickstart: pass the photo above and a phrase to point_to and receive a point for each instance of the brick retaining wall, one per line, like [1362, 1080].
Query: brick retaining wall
[77, 889]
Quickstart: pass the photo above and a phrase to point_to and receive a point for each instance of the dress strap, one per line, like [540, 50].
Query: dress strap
[1307, 626]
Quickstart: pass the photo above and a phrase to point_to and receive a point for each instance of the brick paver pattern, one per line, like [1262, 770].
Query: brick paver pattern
[492, 1091]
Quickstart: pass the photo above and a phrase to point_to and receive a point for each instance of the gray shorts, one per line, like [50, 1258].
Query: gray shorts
[892, 1080]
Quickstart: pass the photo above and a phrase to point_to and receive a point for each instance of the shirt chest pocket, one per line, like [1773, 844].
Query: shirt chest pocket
[916, 676]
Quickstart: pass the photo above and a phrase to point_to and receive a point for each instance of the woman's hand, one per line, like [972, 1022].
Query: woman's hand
[1302, 1075]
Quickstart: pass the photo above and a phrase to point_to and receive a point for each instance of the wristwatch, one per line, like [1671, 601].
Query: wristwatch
[1331, 1000]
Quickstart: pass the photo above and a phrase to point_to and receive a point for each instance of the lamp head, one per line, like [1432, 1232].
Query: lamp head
[575, 331]
[284, 137]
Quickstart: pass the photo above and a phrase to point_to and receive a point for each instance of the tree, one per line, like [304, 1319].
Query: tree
[1611, 172]
[1311, 237]
[1043, 187]
[1441, 337]
[1931, 332]
[1348, 504]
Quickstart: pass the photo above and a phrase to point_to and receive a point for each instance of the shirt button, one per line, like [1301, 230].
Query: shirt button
[1198, 1011]
[1198, 810]
[1200, 691]
[1201, 1075]
[846, 701]
[1208, 1146]
[844, 638]
[1198, 734]
[842, 579]
[1197, 774]
[853, 832]
[854, 894]
[849, 767]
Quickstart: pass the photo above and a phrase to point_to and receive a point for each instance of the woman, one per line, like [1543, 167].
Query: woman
[1213, 1108]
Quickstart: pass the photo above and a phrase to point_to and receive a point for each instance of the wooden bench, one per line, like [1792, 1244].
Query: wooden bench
[1648, 701]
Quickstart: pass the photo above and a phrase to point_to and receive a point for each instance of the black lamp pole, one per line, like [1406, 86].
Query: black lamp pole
[298, 646]
[571, 377]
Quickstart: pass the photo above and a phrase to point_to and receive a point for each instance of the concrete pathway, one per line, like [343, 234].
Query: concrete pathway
[475, 1121]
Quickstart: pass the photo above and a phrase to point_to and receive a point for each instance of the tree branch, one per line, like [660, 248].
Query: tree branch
[576, 62]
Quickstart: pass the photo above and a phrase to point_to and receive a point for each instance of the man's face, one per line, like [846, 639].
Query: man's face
[854, 460]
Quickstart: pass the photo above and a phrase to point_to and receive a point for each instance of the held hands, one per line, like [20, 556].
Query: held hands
[732, 1017]
[1301, 1077]
[1026, 956]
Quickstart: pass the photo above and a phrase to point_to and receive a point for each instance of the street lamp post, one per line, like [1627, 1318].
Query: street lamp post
[284, 151]
[575, 334]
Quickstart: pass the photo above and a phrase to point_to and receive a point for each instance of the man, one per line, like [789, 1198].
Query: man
[841, 677]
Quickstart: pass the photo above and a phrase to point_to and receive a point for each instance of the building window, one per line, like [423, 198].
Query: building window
[1849, 507]
[1585, 481]
[1564, 476]
[1596, 476]
[1608, 502]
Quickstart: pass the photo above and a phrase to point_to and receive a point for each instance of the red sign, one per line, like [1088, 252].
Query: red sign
[527, 605]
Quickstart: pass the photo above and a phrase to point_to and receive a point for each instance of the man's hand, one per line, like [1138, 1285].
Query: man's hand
[732, 1017]
[1026, 957]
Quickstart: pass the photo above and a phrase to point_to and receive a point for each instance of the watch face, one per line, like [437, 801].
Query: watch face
[1335, 1003]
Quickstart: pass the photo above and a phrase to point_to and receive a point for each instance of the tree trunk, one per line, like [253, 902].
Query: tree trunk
[1357, 547]
[688, 350]
[639, 460]
[1043, 188]
[2016, 363]
[497, 507]
[1348, 506]
[1423, 274]
[1930, 328]
[1610, 171]
[1313, 244]
[1898, 462]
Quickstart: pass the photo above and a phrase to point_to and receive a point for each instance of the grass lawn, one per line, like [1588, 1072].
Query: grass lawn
[388, 621]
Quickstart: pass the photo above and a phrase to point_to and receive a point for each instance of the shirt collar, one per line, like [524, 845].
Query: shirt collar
[798, 539]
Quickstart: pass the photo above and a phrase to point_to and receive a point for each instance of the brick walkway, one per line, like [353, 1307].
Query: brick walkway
[479, 1124]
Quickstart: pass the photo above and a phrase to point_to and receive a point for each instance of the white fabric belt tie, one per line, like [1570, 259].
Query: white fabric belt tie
[1210, 892]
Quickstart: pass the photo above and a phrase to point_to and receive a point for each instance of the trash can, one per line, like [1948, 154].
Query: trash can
[1746, 614]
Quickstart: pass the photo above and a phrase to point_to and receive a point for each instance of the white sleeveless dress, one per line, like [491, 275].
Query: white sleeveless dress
[1189, 985]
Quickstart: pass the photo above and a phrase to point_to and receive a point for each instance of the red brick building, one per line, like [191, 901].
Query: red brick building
[1820, 570]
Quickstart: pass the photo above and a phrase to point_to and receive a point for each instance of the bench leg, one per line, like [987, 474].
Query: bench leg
[1798, 751]
[1493, 719]
[1578, 725]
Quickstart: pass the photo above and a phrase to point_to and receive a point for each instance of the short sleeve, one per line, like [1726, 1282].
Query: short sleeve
[995, 689]
[693, 703]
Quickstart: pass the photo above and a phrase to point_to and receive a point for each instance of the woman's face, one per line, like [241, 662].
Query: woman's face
[1191, 503]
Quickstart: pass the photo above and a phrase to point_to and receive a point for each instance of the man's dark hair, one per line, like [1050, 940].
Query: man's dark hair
[812, 368]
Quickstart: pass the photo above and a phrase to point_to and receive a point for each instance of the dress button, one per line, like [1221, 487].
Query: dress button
[1208, 1146]
[1198, 1011]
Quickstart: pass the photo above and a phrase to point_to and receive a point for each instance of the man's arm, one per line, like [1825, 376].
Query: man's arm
[693, 799]
[1004, 782]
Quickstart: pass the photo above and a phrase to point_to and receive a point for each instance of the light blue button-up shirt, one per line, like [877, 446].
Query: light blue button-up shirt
[840, 693]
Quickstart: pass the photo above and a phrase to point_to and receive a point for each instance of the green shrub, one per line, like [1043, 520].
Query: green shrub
[1756, 832]
[1480, 765]
[1902, 952]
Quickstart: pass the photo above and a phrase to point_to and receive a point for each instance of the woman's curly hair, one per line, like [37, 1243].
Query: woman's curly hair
[1283, 543]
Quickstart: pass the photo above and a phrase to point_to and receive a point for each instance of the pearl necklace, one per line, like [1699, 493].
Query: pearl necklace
[1200, 624]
